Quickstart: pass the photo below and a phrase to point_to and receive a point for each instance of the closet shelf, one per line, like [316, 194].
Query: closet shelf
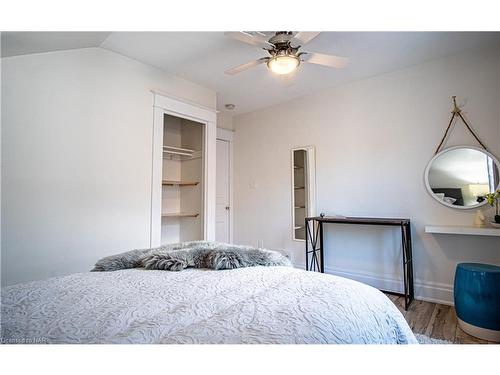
[179, 183]
[179, 214]
[180, 153]
[178, 149]
[298, 207]
[298, 227]
[299, 187]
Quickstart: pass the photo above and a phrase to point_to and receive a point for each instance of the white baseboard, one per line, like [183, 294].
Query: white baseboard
[424, 290]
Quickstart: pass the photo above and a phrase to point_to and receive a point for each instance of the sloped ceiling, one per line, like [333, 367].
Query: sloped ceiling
[22, 43]
[202, 57]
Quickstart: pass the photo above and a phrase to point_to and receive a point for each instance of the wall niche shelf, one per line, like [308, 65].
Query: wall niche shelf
[302, 185]
[179, 183]
[179, 214]
[462, 230]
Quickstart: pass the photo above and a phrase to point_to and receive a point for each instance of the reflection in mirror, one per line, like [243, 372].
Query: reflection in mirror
[461, 176]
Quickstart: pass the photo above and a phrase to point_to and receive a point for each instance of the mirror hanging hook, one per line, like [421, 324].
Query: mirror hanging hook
[458, 112]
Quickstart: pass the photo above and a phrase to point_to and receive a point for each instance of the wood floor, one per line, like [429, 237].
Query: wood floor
[434, 320]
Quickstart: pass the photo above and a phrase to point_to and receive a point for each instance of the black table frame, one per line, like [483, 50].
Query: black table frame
[315, 246]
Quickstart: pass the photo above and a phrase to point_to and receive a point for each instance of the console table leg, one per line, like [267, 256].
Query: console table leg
[321, 253]
[407, 264]
[307, 244]
[314, 234]
[410, 263]
[312, 237]
[404, 243]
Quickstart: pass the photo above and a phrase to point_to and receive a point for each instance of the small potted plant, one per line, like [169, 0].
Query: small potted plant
[493, 199]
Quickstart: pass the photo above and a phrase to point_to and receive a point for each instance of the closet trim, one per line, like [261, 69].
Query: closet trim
[164, 105]
[163, 100]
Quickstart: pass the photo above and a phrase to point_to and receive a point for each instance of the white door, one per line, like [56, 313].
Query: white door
[222, 202]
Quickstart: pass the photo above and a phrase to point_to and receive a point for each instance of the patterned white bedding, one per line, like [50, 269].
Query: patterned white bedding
[265, 305]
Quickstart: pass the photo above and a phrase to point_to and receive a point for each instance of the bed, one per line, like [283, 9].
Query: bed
[252, 305]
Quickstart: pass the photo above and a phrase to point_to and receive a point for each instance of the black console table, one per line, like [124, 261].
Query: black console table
[315, 245]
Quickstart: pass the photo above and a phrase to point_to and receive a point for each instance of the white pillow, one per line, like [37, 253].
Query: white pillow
[449, 200]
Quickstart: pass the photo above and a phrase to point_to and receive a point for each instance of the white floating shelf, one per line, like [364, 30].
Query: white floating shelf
[462, 229]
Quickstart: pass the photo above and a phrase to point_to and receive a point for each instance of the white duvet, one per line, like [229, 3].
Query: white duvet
[261, 305]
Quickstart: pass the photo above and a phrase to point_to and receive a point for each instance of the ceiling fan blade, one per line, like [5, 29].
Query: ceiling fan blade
[254, 40]
[304, 37]
[248, 65]
[326, 60]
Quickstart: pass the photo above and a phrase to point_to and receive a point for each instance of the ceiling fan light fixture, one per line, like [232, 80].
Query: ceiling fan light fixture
[283, 64]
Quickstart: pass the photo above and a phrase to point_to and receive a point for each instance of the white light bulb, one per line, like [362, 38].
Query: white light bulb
[283, 64]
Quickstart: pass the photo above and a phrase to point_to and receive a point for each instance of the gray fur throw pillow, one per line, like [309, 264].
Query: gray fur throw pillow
[197, 254]
[132, 258]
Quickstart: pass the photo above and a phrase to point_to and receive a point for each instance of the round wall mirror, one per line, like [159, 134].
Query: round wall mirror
[459, 177]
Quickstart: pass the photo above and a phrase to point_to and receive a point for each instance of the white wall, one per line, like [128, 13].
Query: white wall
[225, 120]
[76, 155]
[373, 139]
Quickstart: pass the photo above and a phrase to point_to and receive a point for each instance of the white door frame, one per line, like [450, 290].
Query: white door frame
[228, 136]
[164, 104]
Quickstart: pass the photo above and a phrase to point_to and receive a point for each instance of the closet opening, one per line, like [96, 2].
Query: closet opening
[183, 182]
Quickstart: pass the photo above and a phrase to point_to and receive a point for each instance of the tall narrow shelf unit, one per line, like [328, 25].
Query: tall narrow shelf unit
[303, 189]
[182, 180]
[299, 193]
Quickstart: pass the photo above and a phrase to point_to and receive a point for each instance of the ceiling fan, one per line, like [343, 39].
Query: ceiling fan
[283, 47]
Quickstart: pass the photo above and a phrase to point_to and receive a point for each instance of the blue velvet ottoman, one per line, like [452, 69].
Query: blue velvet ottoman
[477, 299]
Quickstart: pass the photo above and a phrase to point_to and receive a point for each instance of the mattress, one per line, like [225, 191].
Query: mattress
[254, 305]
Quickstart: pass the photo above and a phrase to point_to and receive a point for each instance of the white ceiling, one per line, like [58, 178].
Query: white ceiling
[202, 57]
[22, 43]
